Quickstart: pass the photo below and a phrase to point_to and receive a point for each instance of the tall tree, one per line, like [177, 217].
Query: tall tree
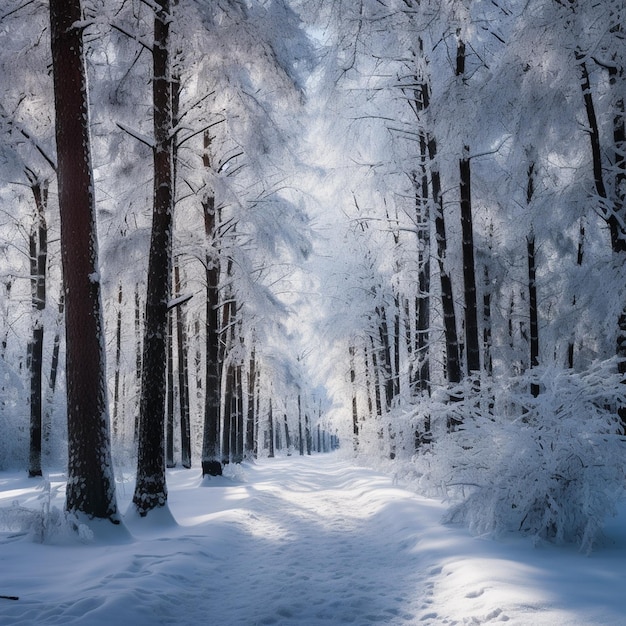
[150, 487]
[90, 484]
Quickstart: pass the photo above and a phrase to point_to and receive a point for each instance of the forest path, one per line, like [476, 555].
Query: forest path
[293, 541]
[325, 543]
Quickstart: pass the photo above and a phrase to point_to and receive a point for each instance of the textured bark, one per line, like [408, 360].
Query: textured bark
[169, 397]
[38, 261]
[453, 365]
[250, 449]
[90, 483]
[355, 413]
[387, 367]
[151, 488]
[183, 376]
[270, 426]
[211, 464]
[469, 268]
[532, 307]
[300, 436]
[422, 302]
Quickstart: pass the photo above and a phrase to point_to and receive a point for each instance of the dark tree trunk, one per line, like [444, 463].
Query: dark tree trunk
[532, 287]
[118, 359]
[307, 433]
[469, 268]
[138, 357]
[422, 303]
[169, 401]
[211, 464]
[532, 302]
[287, 436]
[376, 372]
[453, 365]
[151, 488]
[270, 425]
[579, 262]
[240, 433]
[383, 334]
[300, 436]
[90, 483]
[54, 369]
[355, 413]
[183, 377]
[251, 413]
[38, 261]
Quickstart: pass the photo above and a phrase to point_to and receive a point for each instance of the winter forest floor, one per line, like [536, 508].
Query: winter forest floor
[302, 541]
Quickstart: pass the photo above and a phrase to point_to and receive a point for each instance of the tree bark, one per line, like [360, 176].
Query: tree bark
[38, 261]
[90, 483]
[151, 488]
[183, 377]
[211, 464]
[469, 268]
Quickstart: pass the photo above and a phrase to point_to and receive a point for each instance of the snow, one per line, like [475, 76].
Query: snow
[294, 540]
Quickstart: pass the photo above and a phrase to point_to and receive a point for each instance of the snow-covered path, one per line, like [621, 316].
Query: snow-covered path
[300, 541]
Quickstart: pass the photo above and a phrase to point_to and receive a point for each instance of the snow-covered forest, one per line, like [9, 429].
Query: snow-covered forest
[246, 229]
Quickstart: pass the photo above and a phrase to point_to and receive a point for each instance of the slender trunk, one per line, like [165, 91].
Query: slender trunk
[38, 261]
[239, 447]
[210, 443]
[287, 436]
[532, 287]
[469, 268]
[138, 357]
[169, 401]
[579, 262]
[250, 422]
[453, 366]
[307, 433]
[300, 439]
[118, 359]
[54, 369]
[375, 369]
[422, 302]
[270, 425]
[383, 334]
[90, 484]
[532, 302]
[183, 377]
[355, 413]
[150, 487]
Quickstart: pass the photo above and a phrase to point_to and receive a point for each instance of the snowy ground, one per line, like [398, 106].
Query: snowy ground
[300, 541]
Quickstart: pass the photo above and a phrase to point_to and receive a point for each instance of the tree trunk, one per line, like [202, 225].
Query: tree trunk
[138, 357]
[183, 377]
[251, 417]
[211, 464]
[38, 261]
[532, 304]
[169, 397]
[270, 424]
[118, 358]
[469, 268]
[579, 262]
[383, 334]
[90, 483]
[355, 413]
[422, 303]
[151, 488]
[300, 437]
[453, 366]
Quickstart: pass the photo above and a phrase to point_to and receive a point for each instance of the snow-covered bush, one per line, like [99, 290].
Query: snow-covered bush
[552, 467]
